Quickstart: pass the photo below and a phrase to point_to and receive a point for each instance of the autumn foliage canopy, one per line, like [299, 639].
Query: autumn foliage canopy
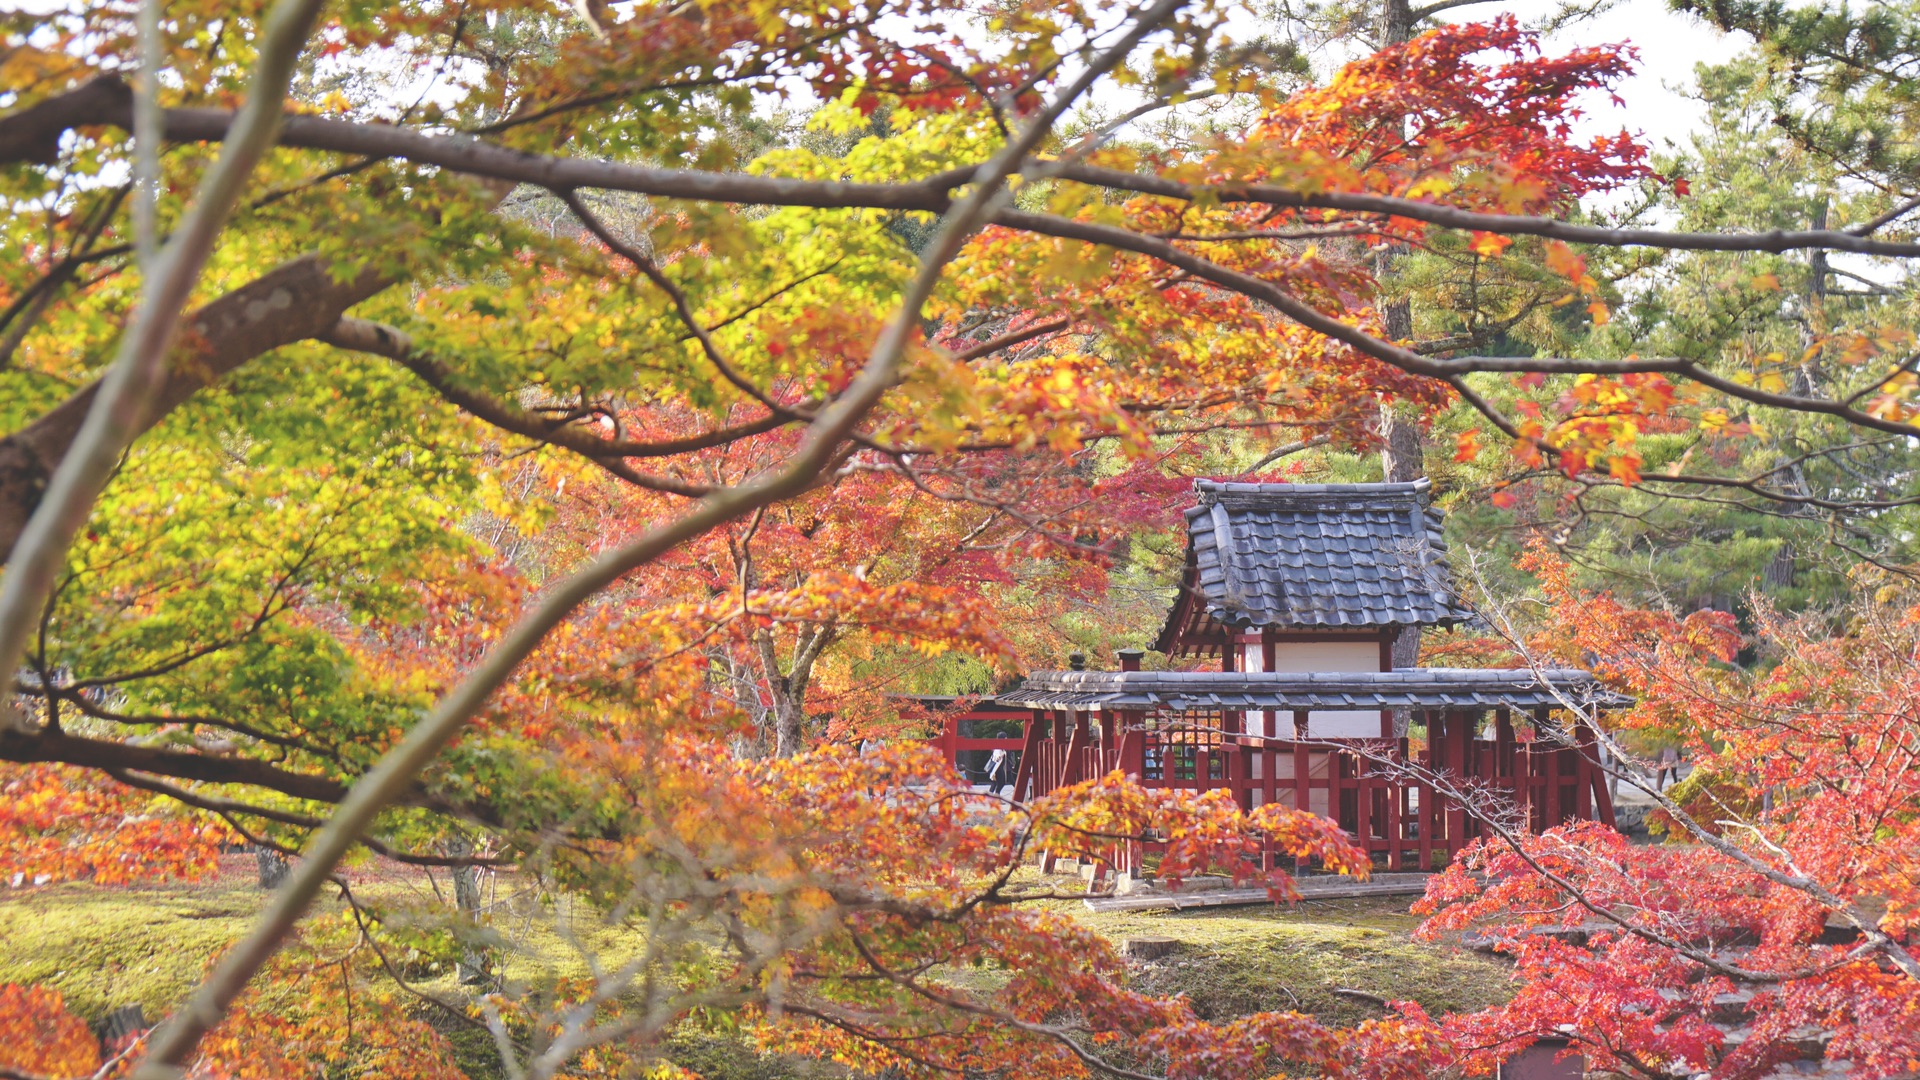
[500, 436]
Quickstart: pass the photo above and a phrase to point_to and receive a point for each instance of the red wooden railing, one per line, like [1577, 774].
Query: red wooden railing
[1392, 812]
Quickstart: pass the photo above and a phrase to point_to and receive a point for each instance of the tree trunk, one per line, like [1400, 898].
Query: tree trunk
[788, 691]
[1395, 22]
[788, 738]
[475, 966]
[273, 866]
[1403, 447]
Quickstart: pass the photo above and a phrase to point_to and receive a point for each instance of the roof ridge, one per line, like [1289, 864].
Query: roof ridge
[1283, 489]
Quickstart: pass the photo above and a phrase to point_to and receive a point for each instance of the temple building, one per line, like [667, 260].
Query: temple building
[1292, 597]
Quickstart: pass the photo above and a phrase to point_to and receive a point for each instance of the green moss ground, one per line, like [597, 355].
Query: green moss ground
[104, 948]
[1234, 961]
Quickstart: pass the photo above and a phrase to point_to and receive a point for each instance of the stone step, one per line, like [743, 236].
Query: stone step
[1311, 888]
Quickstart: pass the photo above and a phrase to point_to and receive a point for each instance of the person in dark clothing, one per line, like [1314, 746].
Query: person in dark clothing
[1667, 771]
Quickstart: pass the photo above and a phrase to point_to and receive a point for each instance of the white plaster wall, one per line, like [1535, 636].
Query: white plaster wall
[1326, 656]
[1305, 656]
[1344, 724]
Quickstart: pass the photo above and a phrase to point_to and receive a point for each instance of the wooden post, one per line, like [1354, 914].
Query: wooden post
[1130, 756]
[1437, 736]
[1505, 744]
[1026, 776]
[1460, 752]
[1133, 744]
[1070, 769]
[1362, 805]
[1583, 769]
[1302, 765]
[1429, 812]
[1394, 793]
[1512, 758]
[1526, 777]
[1302, 772]
[1551, 763]
[1602, 796]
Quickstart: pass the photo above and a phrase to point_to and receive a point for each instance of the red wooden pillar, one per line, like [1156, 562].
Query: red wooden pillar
[1459, 753]
[1551, 766]
[1302, 772]
[1133, 744]
[1026, 776]
[1302, 765]
[1071, 767]
[1504, 744]
[1393, 794]
[949, 741]
[1583, 771]
[1525, 777]
[1062, 738]
[1602, 794]
[1362, 805]
[1509, 761]
[1429, 811]
[1130, 758]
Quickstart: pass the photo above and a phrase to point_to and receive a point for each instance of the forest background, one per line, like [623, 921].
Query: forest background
[500, 438]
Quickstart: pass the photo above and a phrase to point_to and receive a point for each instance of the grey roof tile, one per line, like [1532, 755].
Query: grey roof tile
[1307, 555]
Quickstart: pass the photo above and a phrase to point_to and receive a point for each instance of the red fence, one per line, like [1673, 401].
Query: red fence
[1392, 811]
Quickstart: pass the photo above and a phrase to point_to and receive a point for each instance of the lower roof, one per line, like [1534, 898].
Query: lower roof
[1417, 688]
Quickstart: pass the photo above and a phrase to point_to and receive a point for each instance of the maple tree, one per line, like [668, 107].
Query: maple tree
[350, 507]
[1785, 917]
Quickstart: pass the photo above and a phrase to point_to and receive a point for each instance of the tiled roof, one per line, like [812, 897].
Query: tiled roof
[1417, 688]
[1357, 556]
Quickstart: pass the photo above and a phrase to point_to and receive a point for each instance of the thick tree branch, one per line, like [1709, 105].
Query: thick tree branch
[227, 808]
[108, 755]
[1413, 362]
[291, 303]
[25, 137]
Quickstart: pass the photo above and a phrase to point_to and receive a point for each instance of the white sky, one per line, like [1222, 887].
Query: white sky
[1669, 44]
